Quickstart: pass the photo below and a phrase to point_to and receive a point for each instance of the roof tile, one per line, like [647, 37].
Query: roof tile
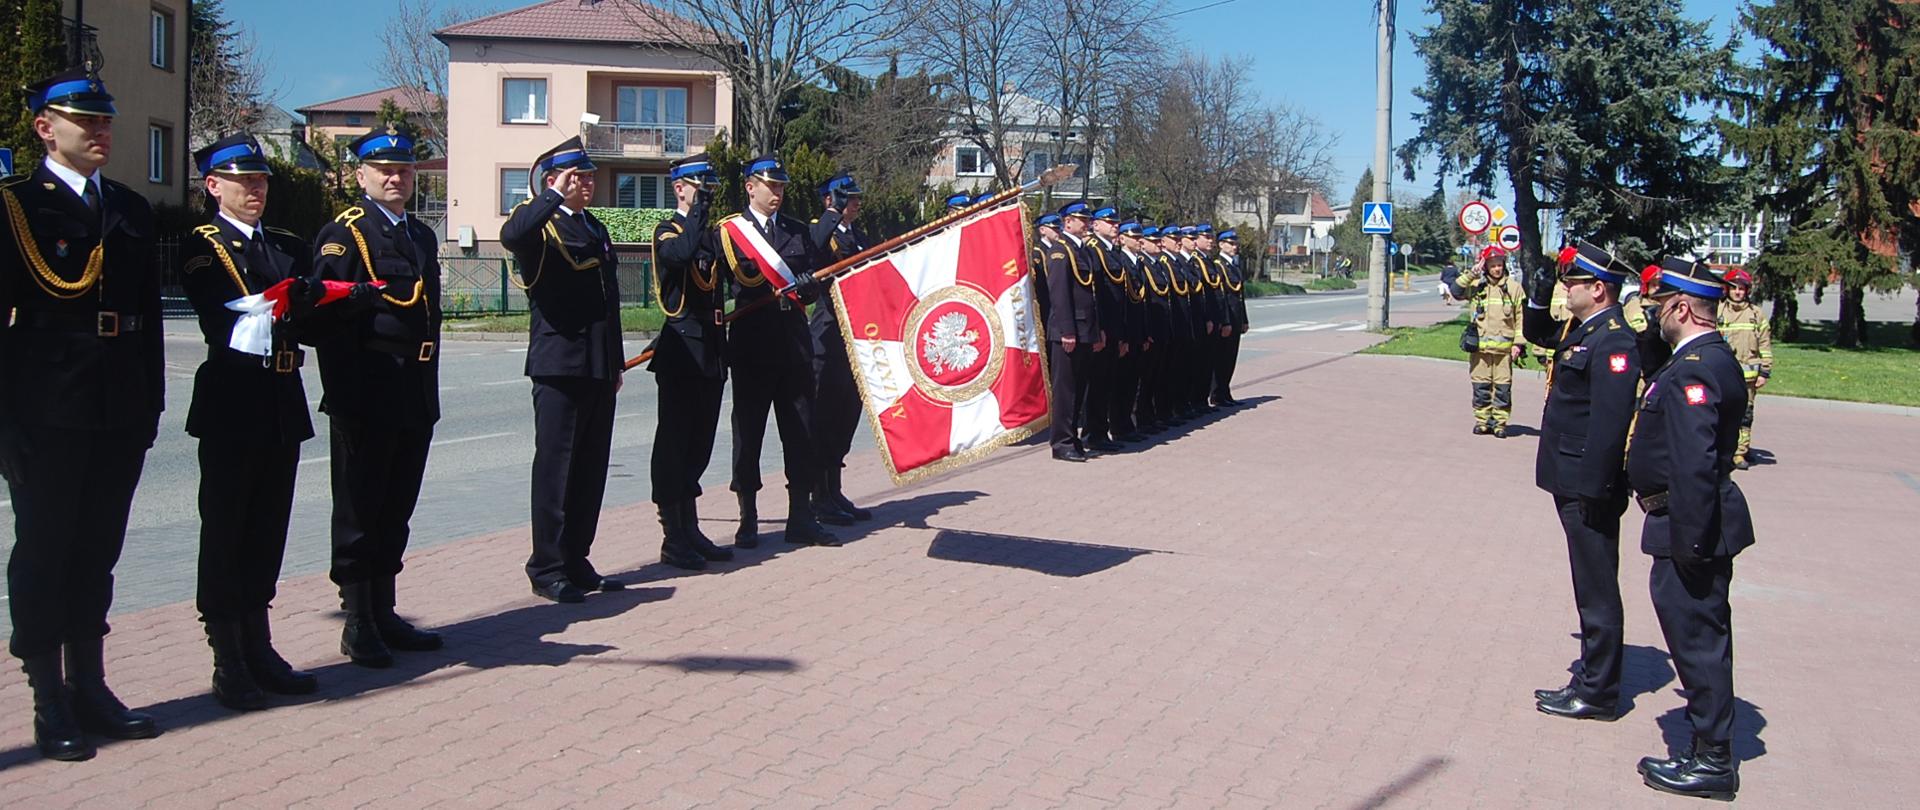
[575, 21]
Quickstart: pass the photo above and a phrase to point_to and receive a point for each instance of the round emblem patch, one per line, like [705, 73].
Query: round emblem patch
[954, 345]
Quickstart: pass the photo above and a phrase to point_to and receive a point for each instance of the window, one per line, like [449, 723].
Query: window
[353, 119]
[1246, 204]
[513, 188]
[524, 101]
[659, 108]
[160, 44]
[641, 191]
[158, 140]
[970, 161]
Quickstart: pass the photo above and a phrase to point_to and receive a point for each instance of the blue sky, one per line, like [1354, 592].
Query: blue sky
[1317, 55]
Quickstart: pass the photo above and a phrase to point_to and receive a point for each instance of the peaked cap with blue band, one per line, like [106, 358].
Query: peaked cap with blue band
[1109, 214]
[1130, 227]
[983, 197]
[1688, 276]
[1048, 221]
[694, 169]
[958, 201]
[1592, 262]
[570, 154]
[390, 145]
[1229, 235]
[238, 153]
[78, 92]
[1077, 208]
[766, 168]
[1203, 229]
[845, 183]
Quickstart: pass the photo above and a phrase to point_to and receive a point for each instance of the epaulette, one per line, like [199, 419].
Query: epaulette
[727, 217]
[1692, 356]
[207, 231]
[9, 182]
[673, 230]
[351, 215]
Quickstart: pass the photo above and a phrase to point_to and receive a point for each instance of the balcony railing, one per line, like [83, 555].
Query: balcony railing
[618, 140]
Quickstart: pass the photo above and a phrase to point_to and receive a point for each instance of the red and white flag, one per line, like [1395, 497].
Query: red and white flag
[945, 343]
[748, 240]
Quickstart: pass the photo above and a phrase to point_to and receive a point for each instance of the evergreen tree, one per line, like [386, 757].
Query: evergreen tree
[1583, 108]
[32, 46]
[1348, 241]
[1829, 120]
[222, 78]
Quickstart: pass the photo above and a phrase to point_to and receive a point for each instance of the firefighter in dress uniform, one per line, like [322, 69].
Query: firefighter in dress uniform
[1680, 466]
[82, 384]
[250, 414]
[1106, 428]
[576, 361]
[1074, 329]
[836, 410]
[380, 368]
[1234, 277]
[689, 362]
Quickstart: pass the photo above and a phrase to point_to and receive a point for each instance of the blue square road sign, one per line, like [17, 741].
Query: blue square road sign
[1376, 217]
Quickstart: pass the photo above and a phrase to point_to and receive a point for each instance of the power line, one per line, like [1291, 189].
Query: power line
[1214, 4]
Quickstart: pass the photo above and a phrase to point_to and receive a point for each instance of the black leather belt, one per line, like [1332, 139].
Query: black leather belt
[1653, 503]
[101, 324]
[282, 362]
[420, 352]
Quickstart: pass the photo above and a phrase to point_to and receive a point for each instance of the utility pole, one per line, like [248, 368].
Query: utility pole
[1377, 268]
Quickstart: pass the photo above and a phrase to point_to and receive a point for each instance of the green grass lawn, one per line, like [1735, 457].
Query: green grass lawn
[1887, 372]
[632, 319]
[1262, 289]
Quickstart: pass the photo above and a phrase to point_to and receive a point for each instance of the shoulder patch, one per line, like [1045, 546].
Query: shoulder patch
[1696, 395]
[333, 249]
[1617, 363]
[1056, 255]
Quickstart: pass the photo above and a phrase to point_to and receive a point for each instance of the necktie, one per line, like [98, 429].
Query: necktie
[91, 196]
[257, 259]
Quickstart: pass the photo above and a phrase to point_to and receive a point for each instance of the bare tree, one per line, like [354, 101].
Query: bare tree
[227, 74]
[417, 62]
[1089, 52]
[981, 51]
[771, 47]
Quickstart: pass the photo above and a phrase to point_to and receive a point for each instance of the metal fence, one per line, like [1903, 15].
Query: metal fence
[470, 286]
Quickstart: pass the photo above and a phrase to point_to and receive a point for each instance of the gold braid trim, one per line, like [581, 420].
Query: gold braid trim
[1231, 285]
[1074, 265]
[352, 215]
[43, 274]
[1117, 278]
[1173, 277]
[1205, 275]
[1153, 280]
[733, 259]
[212, 235]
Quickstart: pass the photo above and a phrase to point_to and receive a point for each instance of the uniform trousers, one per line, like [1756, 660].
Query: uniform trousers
[1593, 552]
[1492, 376]
[572, 441]
[1226, 356]
[1691, 601]
[1069, 390]
[836, 407]
[1146, 398]
[246, 500]
[683, 438]
[1125, 390]
[1745, 441]
[787, 390]
[1097, 396]
[70, 522]
[1173, 377]
[377, 470]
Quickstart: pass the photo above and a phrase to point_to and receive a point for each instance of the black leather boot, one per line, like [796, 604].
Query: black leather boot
[1709, 771]
[398, 633]
[360, 640]
[840, 497]
[272, 672]
[94, 705]
[55, 730]
[690, 527]
[748, 535]
[233, 684]
[802, 529]
[674, 548]
[825, 507]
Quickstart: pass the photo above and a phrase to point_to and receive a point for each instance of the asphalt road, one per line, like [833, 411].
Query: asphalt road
[483, 446]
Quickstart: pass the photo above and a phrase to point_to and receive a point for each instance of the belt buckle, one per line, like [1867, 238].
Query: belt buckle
[283, 362]
[107, 324]
[426, 351]
[717, 318]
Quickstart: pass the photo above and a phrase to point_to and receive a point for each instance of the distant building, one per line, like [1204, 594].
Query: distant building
[341, 120]
[1034, 144]
[1733, 243]
[1298, 217]
[139, 47]
[523, 80]
[284, 135]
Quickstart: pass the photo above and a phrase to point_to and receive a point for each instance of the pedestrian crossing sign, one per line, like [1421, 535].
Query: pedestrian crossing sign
[6, 162]
[1376, 217]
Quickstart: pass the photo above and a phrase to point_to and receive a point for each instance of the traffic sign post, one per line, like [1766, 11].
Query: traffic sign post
[6, 161]
[1510, 237]
[1376, 217]
[1476, 217]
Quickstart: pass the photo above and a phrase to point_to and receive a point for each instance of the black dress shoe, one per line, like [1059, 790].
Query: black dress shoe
[1105, 446]
[360, 642]
[683, 557]
[1069, 454]
[690, 531]
[827, 510]
[1555, 695]
[272, 672]
[403, 636]
[55, 731]
[809, 533]
[1575, 708]
[561, 591]
[1709, 772]
[97, 708]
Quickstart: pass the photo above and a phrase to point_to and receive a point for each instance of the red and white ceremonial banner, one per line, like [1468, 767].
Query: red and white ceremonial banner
[754, 244]
[945, 343]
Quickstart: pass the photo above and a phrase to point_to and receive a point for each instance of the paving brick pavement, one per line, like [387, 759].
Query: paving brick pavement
[1333, 598]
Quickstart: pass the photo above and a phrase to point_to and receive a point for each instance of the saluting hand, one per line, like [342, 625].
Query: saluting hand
[570, 188]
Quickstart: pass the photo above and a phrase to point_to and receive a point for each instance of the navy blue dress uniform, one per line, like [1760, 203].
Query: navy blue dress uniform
[1583, 437]
[689, 366]
[770, 349]
[836, 407]
[1098, 428]
[1174, 393]
[1130, 423]
[379, 363]
[1046, 232]
[81, 389]
[250, 414]
[1151, 408]
[574, 356]
[1074, 314]
[1212, 291]
[1233, 279]
[1680, 465]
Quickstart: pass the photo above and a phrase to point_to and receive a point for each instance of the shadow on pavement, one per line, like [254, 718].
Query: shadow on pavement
[706, 664]
[1677, 730]
[1427, 769]
[1057, 558]
[1643, 671]
[1515, 429]
[514, 637]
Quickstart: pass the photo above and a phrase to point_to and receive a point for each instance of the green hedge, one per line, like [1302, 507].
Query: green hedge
[1330, 283]
[631, 225]
[1262, 289]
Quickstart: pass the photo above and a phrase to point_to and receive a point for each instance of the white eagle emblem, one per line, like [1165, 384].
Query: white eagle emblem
[949, 347]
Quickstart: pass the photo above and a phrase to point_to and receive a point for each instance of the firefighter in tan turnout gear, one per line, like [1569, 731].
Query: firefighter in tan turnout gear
[1751, 338]
[1495, 300]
